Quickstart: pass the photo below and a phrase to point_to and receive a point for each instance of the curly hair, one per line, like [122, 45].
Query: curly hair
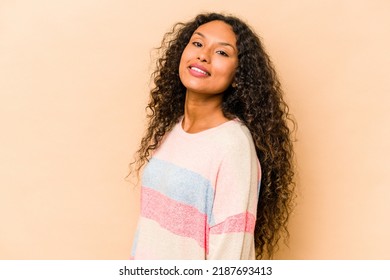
[256, 99]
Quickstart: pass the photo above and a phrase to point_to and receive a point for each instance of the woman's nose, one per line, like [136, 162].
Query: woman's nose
[204, 55]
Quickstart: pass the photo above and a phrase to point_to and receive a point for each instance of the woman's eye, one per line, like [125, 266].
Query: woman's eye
[222, 53]
[197, 44]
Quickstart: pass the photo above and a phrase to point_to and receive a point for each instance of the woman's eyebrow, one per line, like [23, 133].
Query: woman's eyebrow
[220, 43]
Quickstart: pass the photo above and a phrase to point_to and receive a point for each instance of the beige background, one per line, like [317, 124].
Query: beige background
[74, 79]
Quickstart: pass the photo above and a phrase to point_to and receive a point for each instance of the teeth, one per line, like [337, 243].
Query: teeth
[198, 70]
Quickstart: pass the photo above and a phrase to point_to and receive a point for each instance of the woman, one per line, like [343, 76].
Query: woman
[216, 115]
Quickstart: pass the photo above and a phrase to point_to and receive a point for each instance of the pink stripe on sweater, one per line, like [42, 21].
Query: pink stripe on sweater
[244, 222]
[179, 218]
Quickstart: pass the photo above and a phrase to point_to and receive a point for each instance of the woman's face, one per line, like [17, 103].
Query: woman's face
[209, 61]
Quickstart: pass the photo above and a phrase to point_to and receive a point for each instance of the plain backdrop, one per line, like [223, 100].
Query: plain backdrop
[74, 81]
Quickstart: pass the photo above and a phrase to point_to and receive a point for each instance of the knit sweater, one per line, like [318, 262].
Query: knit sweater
[199, 196]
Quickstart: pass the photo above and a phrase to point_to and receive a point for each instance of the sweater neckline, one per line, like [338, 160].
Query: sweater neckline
[203, 132]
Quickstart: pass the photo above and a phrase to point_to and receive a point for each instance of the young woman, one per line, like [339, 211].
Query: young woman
[217, 155]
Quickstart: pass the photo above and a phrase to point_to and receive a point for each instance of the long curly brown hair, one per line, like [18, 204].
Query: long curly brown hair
[256, 99]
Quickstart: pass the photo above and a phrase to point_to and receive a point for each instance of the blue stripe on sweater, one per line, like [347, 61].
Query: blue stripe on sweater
[180, 184]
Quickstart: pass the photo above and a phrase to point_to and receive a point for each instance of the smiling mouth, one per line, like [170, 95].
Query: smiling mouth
[196, 69]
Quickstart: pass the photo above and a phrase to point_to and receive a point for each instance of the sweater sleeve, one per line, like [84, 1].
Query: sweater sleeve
[235, 204]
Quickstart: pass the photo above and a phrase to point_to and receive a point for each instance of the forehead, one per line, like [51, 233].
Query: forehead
[217, 30]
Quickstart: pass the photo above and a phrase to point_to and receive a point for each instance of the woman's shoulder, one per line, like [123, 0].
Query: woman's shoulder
[235, 134]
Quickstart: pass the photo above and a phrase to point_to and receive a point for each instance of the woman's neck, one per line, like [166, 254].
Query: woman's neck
[202, 112]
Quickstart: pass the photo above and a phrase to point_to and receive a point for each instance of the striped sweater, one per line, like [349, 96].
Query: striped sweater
[199, 196]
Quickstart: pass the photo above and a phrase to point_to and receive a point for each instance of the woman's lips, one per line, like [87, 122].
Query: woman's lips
[198, 71]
